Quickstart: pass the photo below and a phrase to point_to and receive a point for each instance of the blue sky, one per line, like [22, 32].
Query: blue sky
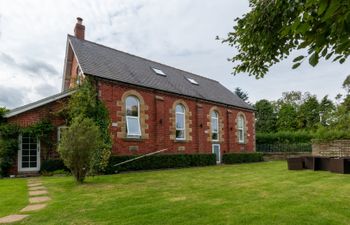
[179, 33]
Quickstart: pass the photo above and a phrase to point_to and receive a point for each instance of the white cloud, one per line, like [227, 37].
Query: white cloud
[177, 33]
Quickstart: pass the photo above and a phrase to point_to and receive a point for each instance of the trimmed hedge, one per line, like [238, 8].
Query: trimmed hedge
[291, 147]
[53, 165]
[232, 158]
[159, 162]
[284, 137]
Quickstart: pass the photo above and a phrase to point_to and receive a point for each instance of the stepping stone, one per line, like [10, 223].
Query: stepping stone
[12, 218]
[38, 192]
[34, 184]
[39, 199]
[35, 207]
[37, 188]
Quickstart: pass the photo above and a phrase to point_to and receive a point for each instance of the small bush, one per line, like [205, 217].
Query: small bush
[78, 146]
[53, 165]
[232, 158]
[326, 134]
[159, 162]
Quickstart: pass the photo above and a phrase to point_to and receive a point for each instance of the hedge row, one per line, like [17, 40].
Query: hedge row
[284, 137]
[290, 147]
[242, 158]
[160, 162]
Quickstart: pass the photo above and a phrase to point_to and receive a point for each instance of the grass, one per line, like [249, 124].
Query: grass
[259, 193]
[13, 196]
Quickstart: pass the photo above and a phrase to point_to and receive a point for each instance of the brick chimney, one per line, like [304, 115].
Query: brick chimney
[79, 29]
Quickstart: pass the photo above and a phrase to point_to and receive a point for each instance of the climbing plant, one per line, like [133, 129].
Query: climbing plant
[9, 139]
[84, 103]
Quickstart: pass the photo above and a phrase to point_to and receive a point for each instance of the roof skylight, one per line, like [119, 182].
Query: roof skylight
[192, 81]
[158, 71]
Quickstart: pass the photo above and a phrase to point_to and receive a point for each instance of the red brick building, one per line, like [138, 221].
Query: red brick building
[151, 105]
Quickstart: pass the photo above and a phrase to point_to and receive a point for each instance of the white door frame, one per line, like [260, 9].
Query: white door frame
[212, 149]
[19, 164]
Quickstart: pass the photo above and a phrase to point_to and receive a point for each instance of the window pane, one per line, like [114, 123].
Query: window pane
[180, 134]
[25, 164]
[133, 126]
[214, 125]
[132, 106]
[214, 136]
[180, 108]
[241, 135]
[214, 114]
[180, 121]
[32, 164]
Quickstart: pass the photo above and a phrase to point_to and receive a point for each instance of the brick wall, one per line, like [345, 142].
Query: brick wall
[336, 148]
[158, 122]
[30, 117]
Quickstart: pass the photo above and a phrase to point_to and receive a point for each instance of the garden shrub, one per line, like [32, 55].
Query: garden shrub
[53, 165]
[325, 135]
[232, 158]
[160, 162]
[78, 146]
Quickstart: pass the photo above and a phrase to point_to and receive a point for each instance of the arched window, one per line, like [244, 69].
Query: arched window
[241, 129]
[180, 122]
[214, 126]
[132, 106]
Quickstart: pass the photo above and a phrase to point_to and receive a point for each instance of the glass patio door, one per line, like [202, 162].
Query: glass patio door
[216, 151]
[29, 153]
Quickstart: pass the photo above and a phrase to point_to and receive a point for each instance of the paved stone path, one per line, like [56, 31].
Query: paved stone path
[37, 201]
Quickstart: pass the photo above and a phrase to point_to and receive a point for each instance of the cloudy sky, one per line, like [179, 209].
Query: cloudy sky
[180, 33]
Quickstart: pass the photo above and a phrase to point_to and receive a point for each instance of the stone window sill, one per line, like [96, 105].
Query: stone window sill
[132, 139]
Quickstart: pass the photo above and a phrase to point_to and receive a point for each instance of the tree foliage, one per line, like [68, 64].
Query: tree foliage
[265, 116]
[272, 29]
[242, 94]
[84, 103]
[78, 146]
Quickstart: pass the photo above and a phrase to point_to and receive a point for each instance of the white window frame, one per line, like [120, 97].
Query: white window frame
[217, 125]
[213, 152]
[59, 128]
[241, 129]
[129, 134]
[184, 122]
[19, 164]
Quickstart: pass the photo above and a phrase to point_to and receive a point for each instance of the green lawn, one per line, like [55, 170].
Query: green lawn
[13, 195]
[259, 193]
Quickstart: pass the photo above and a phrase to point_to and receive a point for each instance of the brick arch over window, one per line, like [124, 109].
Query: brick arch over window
[188, 121]
[122, 113]
[221, 124]
[239, 114]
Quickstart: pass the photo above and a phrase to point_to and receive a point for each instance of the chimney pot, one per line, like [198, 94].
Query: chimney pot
[79, 29]
[79, 20]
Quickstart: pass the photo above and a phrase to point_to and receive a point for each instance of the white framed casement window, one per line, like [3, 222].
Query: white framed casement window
[180, 122]
[132, 106]
[241, 129]
[60, 130]
[214, 126]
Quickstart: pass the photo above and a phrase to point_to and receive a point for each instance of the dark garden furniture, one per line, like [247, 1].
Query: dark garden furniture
[295, 163]
[332, 164]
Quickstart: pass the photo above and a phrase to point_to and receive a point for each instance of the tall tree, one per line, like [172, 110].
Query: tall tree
[272, 29]
[327, 110]
[286, 118]
[265, 116]
[309, 113]
[242, 94]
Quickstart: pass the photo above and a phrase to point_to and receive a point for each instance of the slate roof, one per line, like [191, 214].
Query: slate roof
[105, 62]
[37, 104]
